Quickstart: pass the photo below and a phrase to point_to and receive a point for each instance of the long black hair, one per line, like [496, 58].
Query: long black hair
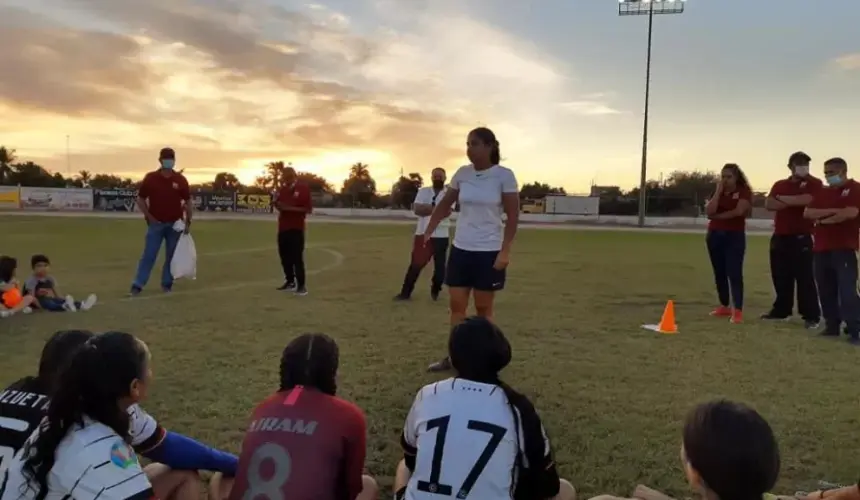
[58, 352]
[310, 360]
[99, 374]
[7, 268]
[479, 351]
[733, 450]
[740, 177]
[488, 138]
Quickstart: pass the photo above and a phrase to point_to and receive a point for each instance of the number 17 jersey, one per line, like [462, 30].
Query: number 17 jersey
[466, 440]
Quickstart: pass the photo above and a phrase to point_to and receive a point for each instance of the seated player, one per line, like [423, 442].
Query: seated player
[24, 403]
[43, 287]
[303, 443]
[12, 298]
[472, 435]
[729, 451]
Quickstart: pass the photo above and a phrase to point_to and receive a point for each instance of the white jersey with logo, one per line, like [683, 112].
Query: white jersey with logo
[92, 462]
[429, 196]
[480, 227]
[467, 441]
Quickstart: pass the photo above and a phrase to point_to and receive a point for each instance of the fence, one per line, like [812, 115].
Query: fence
[122, 200]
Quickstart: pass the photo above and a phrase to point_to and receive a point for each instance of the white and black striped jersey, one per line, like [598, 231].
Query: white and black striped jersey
[91, 463]
[468, 441]
[23, 405]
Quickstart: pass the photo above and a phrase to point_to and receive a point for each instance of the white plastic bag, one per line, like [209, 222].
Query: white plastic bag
[184, 263]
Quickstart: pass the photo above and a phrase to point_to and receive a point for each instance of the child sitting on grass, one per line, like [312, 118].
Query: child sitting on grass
[43, 286]
[12, 300]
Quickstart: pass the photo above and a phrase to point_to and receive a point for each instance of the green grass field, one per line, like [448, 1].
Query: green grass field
[612, 395]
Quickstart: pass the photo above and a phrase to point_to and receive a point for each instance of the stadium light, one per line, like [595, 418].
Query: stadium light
[648, 8]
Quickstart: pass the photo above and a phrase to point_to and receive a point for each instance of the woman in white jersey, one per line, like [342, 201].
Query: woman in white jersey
[474, 436]
[482, 239]
[81, 449]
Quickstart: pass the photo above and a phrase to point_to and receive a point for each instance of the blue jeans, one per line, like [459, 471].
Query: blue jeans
[54, 304]
[727, 249]
[155, 234]
[836, 277]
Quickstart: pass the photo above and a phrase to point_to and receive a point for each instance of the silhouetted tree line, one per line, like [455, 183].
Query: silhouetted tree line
[682, 193]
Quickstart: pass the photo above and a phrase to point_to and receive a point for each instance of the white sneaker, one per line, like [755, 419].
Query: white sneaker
[5, 313]
[70, 304]
[27, 310]
[90, 301]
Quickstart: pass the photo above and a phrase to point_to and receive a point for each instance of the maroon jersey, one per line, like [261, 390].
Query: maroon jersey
[302, 444]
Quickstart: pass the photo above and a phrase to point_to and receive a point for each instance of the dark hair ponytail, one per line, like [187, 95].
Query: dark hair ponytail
[479, 350]
[58, 352]
[488, 138]
[310, 360]
[99, 374]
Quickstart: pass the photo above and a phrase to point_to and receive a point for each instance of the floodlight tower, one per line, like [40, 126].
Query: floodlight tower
[648, 8]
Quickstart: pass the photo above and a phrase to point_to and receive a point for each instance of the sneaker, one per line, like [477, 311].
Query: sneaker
[5, 313]
[440, 366]
[722, 312]
[301, 291]
[167, 289]
[400, 297]
[27, 310]
[775, 317]
[854, 340]
[89, 302]
[135, 291]
[287, 286]
[811, 324]
[69, 305]
[737, 316]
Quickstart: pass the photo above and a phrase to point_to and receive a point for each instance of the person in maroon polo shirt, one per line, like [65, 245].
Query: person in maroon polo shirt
[791, 243]
[293, 203]
[728, 210]
[303, 442]
[836, 241]
[163, 198]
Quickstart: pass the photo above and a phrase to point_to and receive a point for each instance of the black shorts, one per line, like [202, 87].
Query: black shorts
[400, 494]
[471, 269]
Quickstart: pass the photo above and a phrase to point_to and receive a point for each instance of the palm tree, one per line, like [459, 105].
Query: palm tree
[85, 177]
[7, 158]
[359, 171]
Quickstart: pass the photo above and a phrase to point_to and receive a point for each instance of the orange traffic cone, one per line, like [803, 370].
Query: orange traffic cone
[667, 322]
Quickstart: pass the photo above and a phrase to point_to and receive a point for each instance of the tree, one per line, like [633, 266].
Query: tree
[404, 190]
[85, 177]
[537, 190]
[359, 186]
[107, 181]
[7, 158]
[225, 181]
[31, 174]
[315, 183]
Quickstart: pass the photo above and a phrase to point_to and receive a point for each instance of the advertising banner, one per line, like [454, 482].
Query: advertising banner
[37, 198]
[10, 198]
[254, 203]
[115, 200]
[213, 201]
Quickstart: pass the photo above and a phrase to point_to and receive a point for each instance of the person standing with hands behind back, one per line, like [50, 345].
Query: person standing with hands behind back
[293, 204]
[835, 209]
[728, 210]
[163, 199]
[791, 243]
[481, 252]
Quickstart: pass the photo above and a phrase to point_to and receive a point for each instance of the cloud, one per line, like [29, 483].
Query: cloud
[589, 108]
[847, 62]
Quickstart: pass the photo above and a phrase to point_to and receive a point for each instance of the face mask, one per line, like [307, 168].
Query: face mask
[801, 170]
[168, 164]
[438, 184]
[834, 180]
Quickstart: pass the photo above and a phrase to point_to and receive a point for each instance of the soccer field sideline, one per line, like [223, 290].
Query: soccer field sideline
[208, 216]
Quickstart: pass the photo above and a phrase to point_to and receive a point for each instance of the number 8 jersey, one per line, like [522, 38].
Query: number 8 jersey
[469, 441]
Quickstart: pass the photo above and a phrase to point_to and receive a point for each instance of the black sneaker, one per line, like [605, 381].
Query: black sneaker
[775, 317]
[301, 291]
[854, 339]
[287, 286]
[440, 366]
[811, 324]
[434, 294]
[400, 297]
[135, 291]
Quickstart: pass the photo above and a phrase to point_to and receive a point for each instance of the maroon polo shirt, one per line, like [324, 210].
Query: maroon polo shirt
[790, 221]
[844, 235]
[165, 194]
[297, 195]
[729, 201]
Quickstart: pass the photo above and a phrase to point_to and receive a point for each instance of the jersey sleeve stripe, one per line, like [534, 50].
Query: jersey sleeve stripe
[152, 441]
[407, 448]
[102, 464]
[130, 478]
[79, 479]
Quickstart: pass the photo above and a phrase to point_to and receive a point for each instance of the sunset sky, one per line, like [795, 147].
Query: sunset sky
[233, 84]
